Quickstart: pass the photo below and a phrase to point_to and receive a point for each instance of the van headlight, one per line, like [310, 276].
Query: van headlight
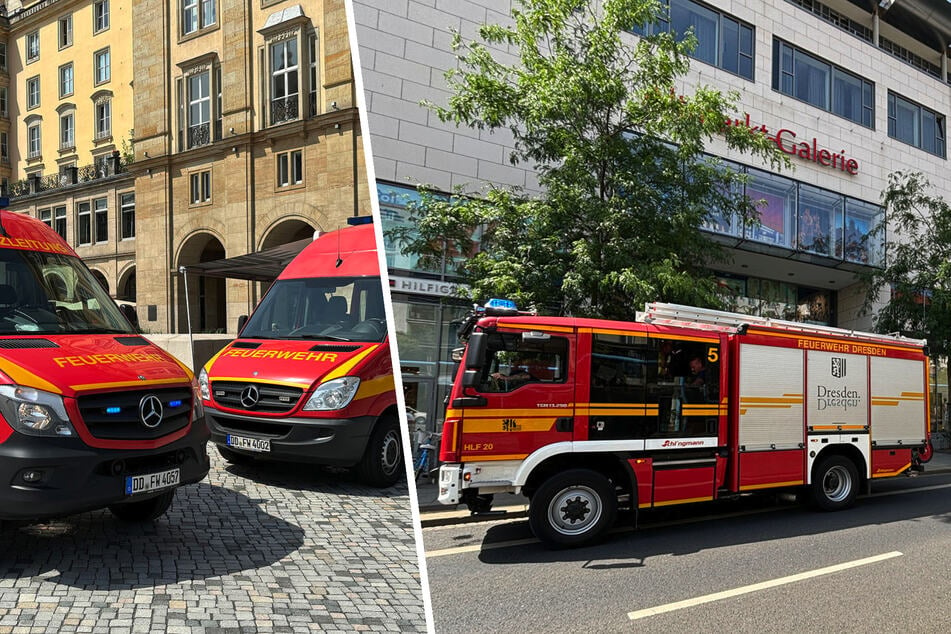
[34, 412]
[198, 411]
[335, 394]
[203, 390]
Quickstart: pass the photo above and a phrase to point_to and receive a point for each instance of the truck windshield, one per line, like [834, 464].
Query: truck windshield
[324, 308]
[52, 293]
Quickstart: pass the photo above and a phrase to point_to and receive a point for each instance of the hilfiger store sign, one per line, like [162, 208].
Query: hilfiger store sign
[789, 142]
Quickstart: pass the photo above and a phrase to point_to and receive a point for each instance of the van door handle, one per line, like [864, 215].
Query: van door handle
[566, 424]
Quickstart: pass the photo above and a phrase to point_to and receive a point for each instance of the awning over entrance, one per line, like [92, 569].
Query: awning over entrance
[263, 266]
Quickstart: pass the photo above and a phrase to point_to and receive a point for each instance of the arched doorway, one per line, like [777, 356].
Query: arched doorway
[287, 231]
[125, 291]
[207, 296]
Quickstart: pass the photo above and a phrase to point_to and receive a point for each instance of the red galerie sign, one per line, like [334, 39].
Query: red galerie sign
[786, 141]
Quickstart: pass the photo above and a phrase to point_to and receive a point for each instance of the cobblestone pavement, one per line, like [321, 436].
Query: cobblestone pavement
[262, 548]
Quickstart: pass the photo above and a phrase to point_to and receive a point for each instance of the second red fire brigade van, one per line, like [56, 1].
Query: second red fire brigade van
[92, 415]
[586, 417]
[309, 377]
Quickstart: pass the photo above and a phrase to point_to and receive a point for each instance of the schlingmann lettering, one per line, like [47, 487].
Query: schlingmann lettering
[97, 359]
[329, 357]
[843, 398]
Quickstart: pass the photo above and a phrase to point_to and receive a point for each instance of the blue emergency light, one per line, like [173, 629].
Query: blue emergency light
[500, 307]
[359, 220]
[174, 403]
[113, 410]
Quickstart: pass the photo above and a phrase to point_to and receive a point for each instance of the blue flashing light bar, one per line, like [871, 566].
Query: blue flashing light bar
[360, 220]
[503, 304]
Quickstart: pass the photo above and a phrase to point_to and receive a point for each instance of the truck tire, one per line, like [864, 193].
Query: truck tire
[572, 508]
[234, 457]
[835, 483]
[145, 510]
[382, 462]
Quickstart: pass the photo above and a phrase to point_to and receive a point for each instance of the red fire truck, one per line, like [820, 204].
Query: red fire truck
[309, 377]
[683, 405]
[92, 414]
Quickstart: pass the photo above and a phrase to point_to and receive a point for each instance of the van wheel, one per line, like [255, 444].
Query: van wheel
[835, 483]
[382, 462]
[234, 457]
[144, 511]
[572, 508]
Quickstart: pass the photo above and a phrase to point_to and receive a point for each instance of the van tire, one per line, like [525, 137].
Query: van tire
[835, 483]
[145, 510]
[382, 462]
[234, 457]
[572, 508]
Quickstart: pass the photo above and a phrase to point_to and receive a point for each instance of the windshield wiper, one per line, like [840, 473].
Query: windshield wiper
[321, 337]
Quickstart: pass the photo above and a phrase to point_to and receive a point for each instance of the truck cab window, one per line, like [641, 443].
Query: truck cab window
[512, 362]
[683, 380]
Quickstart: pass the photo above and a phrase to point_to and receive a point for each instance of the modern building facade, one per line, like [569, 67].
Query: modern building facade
[155, 135]
[850, 89]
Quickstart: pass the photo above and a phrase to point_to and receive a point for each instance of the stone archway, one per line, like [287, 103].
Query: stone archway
[207, 296]
[288, 230]
[125, 289]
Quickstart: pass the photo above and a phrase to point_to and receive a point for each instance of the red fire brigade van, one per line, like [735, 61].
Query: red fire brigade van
[92, 415]
[683, 405]
[309, 377]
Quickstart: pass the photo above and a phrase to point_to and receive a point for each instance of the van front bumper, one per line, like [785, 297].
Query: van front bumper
[329, 441]
[74, 477]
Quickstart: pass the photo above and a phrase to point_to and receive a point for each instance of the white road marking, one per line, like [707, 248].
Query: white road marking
[756, 587]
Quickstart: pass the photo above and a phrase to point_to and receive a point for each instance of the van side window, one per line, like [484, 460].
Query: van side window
[513, 362]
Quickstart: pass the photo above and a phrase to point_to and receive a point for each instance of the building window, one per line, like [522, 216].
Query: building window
[817, 82]
[83, 224]
[197, 14]
[4, 149]
[290, 168]
[32, 46]
[33, 92]
[46, 216]
[4, 101]
[3, 56]
[916, 125]
[101, 217]
[100, 16]
[59, 221]
[200, 187]
[127, 216]
[34, 146]
[199, 109]
[67, 131]
[103, 118]
[66, 86]
[284, 81]
[314, 78]
[722, 40]
[66, 31]
[103, 66]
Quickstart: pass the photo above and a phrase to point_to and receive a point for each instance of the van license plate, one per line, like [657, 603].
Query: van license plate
[249, 444]
[152, 481]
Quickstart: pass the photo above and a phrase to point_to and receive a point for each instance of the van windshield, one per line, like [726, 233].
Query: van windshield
[321, 309]
[53, 293]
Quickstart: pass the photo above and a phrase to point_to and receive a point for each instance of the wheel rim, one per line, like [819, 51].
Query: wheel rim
[837, 483]
[575, 510]
[390, 452]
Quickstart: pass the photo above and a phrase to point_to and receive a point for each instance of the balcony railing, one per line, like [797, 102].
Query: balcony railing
[199, 135]
[284, 109]
[105, 168]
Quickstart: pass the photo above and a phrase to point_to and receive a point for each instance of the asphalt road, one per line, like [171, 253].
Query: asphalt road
[263, 548]
[765, 565]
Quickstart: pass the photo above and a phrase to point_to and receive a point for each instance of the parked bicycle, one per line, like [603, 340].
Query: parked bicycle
[427, 462]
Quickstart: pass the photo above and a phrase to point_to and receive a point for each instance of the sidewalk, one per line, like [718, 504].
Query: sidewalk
[431, 511]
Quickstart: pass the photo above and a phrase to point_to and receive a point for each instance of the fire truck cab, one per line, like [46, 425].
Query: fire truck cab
[309, 378]
[92, 414]
[586, 417]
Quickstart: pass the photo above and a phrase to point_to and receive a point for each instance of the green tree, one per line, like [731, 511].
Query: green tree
[916, 278]
[618, 149]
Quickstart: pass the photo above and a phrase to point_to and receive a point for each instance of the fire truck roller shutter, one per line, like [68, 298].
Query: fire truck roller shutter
[771, 397]
[898, 401]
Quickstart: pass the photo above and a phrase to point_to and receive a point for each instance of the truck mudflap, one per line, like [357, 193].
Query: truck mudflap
[450, 483]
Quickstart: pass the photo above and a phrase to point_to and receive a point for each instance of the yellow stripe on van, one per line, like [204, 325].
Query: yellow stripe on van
[103, 386]
[375, 387]
[344, 368]
[27, 378]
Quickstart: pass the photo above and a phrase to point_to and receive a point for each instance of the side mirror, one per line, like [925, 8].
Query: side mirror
[242, 320]
[475, 355]
[470, 378]
[129, 313]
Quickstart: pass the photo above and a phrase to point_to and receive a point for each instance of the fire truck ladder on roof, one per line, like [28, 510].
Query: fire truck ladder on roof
[705, 318]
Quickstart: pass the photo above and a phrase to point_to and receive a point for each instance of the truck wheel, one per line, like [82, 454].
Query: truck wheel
[144, 511]
[572, 508]
[382, 462]
[835, 483]
[234, 457]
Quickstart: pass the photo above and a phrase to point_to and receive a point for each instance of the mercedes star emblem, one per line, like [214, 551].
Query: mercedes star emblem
[150, 411]
[250, 396]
